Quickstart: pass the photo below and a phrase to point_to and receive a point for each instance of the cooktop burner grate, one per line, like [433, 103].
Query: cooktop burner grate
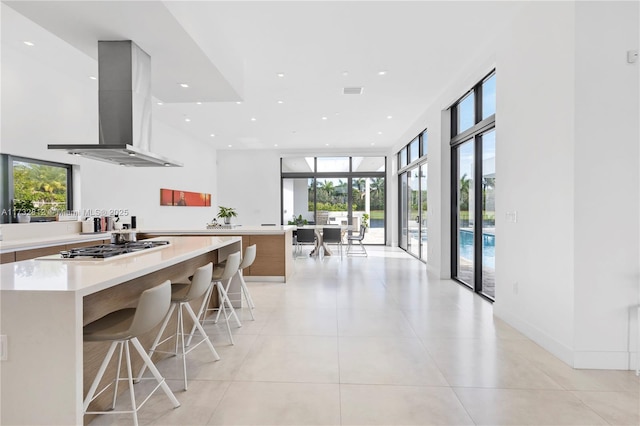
[103, 251]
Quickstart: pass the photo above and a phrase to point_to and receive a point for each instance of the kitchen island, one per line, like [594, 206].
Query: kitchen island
[44, 305]
[274, 248]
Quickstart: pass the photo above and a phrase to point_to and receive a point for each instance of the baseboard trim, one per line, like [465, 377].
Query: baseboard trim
[271, 279]
[552, 345]
[603, 360]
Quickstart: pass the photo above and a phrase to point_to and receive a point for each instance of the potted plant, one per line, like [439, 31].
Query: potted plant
[365, 220]
[23, 209]
[227, 213]
[298, 221]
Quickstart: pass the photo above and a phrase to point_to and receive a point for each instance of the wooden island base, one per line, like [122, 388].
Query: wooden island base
[274, 248]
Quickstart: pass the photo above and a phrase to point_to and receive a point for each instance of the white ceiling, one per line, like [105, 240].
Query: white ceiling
[234, 50]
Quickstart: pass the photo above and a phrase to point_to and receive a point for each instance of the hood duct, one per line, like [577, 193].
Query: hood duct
[124, 102]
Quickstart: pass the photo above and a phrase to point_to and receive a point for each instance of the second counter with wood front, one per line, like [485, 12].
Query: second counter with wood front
[274, 247]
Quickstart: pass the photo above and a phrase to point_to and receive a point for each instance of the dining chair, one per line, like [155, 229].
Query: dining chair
[332, 236]
[358, 238]
[305, 237]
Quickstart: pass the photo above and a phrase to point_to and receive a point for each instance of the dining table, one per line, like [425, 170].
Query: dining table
[319, 241]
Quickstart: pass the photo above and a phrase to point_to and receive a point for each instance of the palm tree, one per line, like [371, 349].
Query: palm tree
[376, 189]
[463, 194]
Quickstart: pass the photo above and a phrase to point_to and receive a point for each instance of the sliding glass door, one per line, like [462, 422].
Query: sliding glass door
[465, 217]
[488, 140]
[473, 222]
[413, 210]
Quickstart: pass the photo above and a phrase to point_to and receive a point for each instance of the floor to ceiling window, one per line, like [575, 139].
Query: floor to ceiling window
[473, 149]
[412, 162]
[336, 191]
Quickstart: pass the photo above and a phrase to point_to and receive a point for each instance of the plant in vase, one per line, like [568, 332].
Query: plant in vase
[23, 209]
[227, 213]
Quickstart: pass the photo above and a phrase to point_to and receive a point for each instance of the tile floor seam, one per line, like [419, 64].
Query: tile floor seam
[426, 348]
[213, 412]
[464, 407]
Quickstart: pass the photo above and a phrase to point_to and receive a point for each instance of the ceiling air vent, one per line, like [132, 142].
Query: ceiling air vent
[352, 90]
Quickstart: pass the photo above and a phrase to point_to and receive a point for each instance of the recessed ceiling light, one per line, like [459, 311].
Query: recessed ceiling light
[373, 143]
[167, 165]
[275, 144]
[185, 85]
[253, 119]
[92, 77]
[229, 146]
[28, 43]
[160, 103]
[280, 102]
[345, 73]
[379, 133]
[280, 74]
[212, 135]
[389, 117]
[122, 164]
[326, 144]
[324, 118]
[238, 102]
[382, 72]
[198, 103]
[132, 154]
[187, 120]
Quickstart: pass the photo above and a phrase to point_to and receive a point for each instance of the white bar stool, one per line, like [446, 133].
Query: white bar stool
[181, 295]
[121, 327]
[247, 260]
[218, 277]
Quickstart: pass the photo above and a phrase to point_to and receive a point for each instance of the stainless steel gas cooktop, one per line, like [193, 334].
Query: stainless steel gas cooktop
[104, 251]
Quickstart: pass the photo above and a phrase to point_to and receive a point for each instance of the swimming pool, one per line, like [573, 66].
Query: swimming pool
[465, 244]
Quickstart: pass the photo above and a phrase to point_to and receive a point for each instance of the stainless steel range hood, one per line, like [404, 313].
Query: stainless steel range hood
[124, 98]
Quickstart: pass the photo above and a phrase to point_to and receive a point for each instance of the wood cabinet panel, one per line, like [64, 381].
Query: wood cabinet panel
[270, 254]
[8, 257]
[19, 255]
[42, 251]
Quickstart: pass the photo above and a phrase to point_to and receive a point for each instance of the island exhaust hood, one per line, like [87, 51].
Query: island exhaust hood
[124, 98]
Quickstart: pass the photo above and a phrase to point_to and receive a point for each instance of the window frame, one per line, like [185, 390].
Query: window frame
[7, 184]
[315, 175]
[474, 133]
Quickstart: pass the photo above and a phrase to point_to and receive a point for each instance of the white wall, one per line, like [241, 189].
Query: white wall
[534, 168]
[47, 97]
[606, 183]
[567, 162]
[250, 182]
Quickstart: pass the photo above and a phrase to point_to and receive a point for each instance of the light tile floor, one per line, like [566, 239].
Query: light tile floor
[372, 341]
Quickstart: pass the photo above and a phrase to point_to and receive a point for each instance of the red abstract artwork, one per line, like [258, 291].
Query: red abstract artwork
[173, 197]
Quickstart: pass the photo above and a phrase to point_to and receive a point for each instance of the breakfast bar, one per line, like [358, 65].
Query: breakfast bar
[274, 258]
[46, 302]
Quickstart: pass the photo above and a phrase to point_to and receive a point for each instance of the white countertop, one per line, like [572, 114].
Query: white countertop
[32, 243]
[239, 230]
[89, 276]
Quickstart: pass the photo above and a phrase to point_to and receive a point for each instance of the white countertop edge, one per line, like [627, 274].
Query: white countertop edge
[34, 243]
[101, 284]
[241, 230]
[153, 268]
